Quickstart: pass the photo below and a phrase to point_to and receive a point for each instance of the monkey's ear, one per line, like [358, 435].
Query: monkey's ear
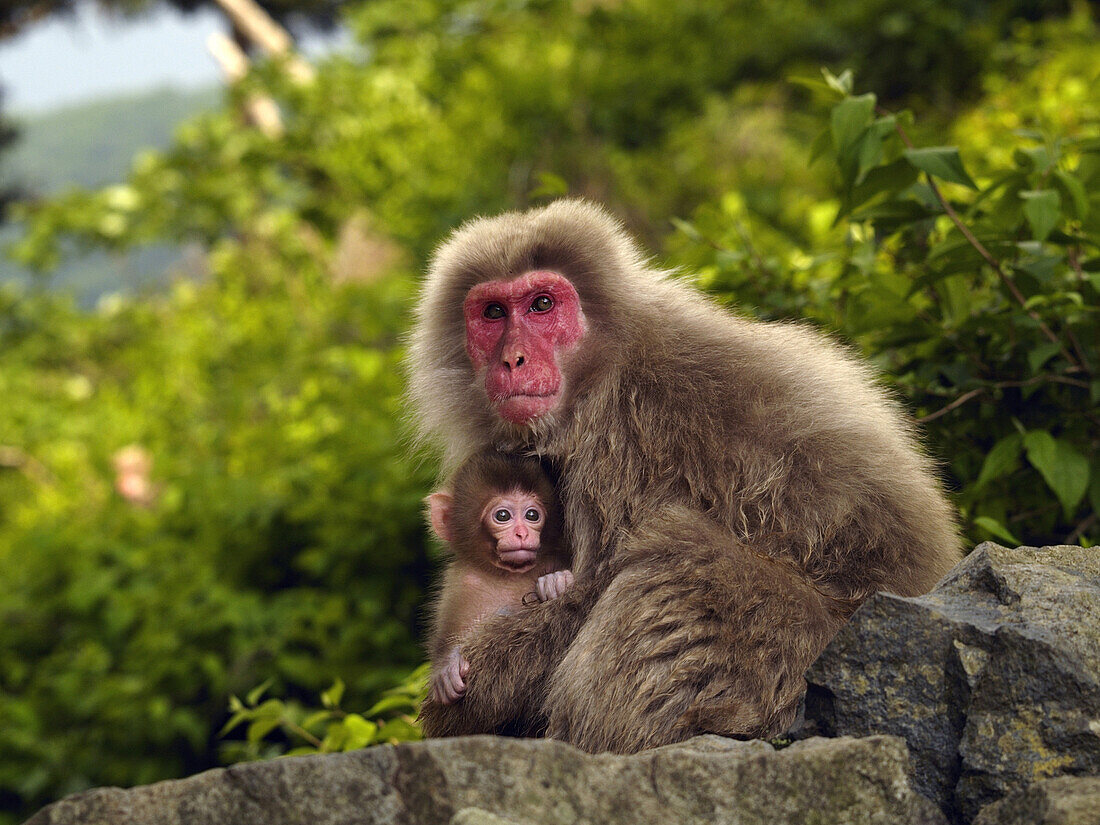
[439, 511]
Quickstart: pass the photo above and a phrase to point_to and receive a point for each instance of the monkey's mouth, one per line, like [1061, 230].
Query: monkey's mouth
[516, 561]
[522, 407]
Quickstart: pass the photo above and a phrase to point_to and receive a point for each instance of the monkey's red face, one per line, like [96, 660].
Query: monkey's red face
[515, 521]
[516, 334]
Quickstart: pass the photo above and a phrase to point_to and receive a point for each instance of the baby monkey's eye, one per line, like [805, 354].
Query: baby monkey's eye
[532, 514]
[501, 516]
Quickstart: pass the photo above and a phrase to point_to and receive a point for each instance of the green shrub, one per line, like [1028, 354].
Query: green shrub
[284, 541]
[979, 299]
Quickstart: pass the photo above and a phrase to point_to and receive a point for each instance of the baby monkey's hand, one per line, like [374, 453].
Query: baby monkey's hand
[553, 585]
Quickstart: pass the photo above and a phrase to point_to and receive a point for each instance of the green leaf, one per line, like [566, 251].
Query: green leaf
[893, 177]
[331, 697]
[399, 730]
[1037, 158]
[261, 728]
[304, 750]
[822, 144]
[390, 703]
[816, 84]
[316, 718]
[1076, 191]
[360, 732]
[254, 695]
[891, 215]
[1042, 209]
[1044, 268]
[994, 527]
[687, 228]
[1064, 469]
[842, 84]
[941, 162]
[1001, 460]
[234, 721]
[997, 529]
[849, 118]
[1041, 354]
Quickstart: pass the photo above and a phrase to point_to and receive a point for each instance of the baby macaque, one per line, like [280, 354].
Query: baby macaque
[503, 525]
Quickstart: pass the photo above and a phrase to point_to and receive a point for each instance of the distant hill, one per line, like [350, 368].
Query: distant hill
[91, 145]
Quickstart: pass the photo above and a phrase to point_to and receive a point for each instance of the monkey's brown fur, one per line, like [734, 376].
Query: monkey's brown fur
[732, 491]
[474, 484]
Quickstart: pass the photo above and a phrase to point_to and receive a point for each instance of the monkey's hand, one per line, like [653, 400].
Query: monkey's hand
[554, 584]
[511, 658]
[449, 681]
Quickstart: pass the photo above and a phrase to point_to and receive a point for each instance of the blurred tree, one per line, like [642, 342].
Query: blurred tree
[9, 188]
[15, 15]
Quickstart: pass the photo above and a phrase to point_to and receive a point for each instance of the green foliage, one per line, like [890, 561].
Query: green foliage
[981, 299]
[283, 539]
[328, 729]
[458, 107]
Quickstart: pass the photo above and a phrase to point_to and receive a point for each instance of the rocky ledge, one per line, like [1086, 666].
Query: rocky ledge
[486, 780]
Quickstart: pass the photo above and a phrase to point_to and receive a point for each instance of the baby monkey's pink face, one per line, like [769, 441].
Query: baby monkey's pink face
[515, 521]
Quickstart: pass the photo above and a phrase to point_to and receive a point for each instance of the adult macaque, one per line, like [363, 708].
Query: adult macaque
[732, 490]
[502, 523]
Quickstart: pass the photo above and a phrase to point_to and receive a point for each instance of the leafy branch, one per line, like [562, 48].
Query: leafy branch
[330, 728]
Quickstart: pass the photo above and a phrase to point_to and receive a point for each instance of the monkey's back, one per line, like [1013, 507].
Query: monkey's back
[776, 432]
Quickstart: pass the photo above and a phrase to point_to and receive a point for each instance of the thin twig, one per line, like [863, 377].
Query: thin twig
[1046, 376]
[1038, 511]
[302, 732]
[1080, 529]
[958, 402]
[1003, 385]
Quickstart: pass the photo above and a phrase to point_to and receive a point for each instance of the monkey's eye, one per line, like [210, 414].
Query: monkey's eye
[494, 312]
[542, 303]
[502, 516]
[532, 514]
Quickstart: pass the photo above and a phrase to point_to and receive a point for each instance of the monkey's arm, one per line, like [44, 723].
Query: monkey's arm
[511, 658]
[468, 596]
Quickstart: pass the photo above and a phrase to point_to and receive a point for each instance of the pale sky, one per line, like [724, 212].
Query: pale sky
[60, 61]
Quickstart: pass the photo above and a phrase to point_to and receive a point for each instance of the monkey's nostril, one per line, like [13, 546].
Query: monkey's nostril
[519, 361]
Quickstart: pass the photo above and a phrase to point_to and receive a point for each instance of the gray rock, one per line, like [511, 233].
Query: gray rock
[1067, 800]
[487, 780]
[993, 678]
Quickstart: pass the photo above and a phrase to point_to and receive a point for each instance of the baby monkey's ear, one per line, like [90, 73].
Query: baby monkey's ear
[440, 506]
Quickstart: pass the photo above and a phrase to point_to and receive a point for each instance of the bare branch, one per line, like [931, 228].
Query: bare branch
[261, 110]
[258, 26]
[1080, 529]
[958, 402]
